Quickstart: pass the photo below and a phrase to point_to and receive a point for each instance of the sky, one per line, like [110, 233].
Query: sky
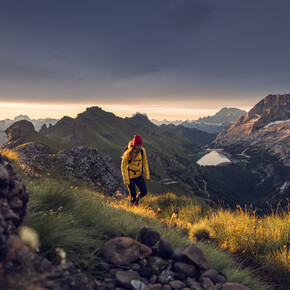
[173, 59]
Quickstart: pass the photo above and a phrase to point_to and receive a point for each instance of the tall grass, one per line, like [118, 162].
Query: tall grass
[79, 221]
[264, 238]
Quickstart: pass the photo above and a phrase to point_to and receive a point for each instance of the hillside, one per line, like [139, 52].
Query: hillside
[169, 157]
[192, 134]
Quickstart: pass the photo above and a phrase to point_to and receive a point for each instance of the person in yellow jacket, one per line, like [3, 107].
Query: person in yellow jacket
[134, 163]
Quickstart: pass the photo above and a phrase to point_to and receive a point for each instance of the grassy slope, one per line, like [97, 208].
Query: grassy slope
[52, 144]
[80, 221]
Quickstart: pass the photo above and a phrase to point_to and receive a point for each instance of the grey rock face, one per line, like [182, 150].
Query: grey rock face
[265, 127]
[92, 166]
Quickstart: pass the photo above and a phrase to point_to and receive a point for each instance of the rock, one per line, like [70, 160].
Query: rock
[234, 286]
[194, 255]
[19, 130]
[154, 287]
[123, 251]
[149, 237]
[207, 284]
[189, 270]
[222, 278]
[166, 276]
[124, 278]
[177, 284]
[211, 274]
[138, 285]
[134, 267]
[177, 254]
[156, 263]
[193, 284]
[153, 279]
[179, 276]
[166, 287]
[146, 272]
[165, 249]
[105, 266]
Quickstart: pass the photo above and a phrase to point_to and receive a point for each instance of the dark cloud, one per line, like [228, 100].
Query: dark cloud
[156, 49]
[56, 56]
[189, 14]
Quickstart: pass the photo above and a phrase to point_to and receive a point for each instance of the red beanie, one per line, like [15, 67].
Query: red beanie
[137, 140]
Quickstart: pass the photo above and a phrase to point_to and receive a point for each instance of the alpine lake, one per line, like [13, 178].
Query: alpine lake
[213, 158]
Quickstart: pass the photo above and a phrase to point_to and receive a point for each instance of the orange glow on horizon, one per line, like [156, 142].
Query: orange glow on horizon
[159, 112]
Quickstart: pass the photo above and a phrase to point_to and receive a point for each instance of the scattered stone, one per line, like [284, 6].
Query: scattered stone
[156, 263]
[189, 270]
[234, 286]
[149, 236]
[166, 287]
[124, 278]
[193, 284]
[222, 278]
[177, 284]
[207, 284]
[165, 249]
[138, 285]
[123, 251]
[105, 266]
[194, 254]
[147, 272]
[211, 274]
[153, 279]
[166, 276]
[154, 287]
[177, 254]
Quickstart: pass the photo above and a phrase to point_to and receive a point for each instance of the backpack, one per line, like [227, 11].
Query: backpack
[129, 161]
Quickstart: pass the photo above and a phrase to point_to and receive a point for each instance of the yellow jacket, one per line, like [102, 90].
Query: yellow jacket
[134, 168]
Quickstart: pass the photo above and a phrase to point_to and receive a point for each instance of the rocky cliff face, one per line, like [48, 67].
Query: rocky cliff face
[265, 127]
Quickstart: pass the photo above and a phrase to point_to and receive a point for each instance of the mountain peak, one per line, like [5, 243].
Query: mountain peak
[270, 109]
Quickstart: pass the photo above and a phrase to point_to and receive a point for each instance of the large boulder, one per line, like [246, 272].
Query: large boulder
[124, 250]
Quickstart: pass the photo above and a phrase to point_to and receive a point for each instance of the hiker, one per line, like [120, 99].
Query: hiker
[134, 163]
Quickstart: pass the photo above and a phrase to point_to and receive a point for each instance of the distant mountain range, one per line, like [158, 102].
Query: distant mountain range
[257, 144]
[222, 120]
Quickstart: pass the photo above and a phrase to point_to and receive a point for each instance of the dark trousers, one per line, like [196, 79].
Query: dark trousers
[140, 182]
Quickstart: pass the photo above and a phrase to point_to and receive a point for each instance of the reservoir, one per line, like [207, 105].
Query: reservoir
[213, 159]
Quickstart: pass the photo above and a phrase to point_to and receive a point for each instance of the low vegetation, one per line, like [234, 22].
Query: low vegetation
[79, 221]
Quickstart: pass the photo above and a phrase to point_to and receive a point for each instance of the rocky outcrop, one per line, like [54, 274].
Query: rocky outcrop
[93, 167]
[17, 133]
[13, 200]
[181, 269]
[17, 259]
